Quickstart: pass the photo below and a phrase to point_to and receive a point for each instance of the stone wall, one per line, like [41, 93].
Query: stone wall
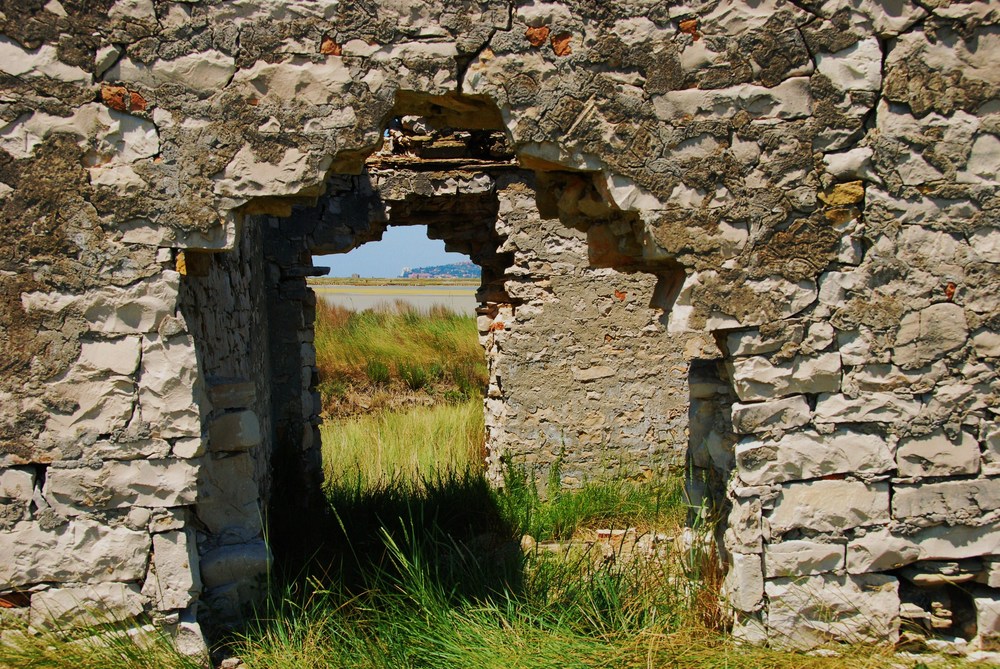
[812, 183]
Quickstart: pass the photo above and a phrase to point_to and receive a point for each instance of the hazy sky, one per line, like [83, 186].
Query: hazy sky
[401, 246]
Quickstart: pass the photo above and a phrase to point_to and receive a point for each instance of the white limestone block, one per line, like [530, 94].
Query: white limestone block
[300, 80]
[744, 528]
[865, 408]
[782, 414]
[991, 448]
[148, 483]
[757, 378]
[174, 579]
[248, 176]
[951, 502]
[44, 61]
[170, 386]
[235, 431]
[880, 549]
[743, 587]
[856, 68]
[228, 498]
[205, 72]
[80, 550]
[114, 137]
[986, 243]
[987, 605]
[987, 343]
[807, 612]
[935, 454]
[751, 342]
[885, 549]
[138, 308]
[17, 483]
[928, 334]
[802, 558]
[85, 605]
[808, 454]
[983, 160]
[117, 356]
[235, 563]
[97, 406]
[791, 99]
[852, 164]
[829, 506]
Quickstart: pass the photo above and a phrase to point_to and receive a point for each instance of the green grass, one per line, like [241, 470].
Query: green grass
[419, 443]
[398, 350]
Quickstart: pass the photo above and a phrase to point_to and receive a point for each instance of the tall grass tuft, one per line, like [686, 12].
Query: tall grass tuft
[398, 344]
[422, 442]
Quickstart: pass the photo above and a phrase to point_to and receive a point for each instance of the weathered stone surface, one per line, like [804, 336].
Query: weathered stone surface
[935, 454]
[806, 612]
[139, 308]
[86, 605]
[926, 335]
[781, 414]
[17, 483]
[169, 387]
[174, 578]
[951, 502]
[987, 605]
[227, 498]
[807, 454]
[801, 558]
[744, 584]
[757, 378]
[858, 67]
[236, 431]
[79, 550]
[235, 563]
[204, 72]
[149, 483]
[829, 506]
[886, 549]
[865, 408]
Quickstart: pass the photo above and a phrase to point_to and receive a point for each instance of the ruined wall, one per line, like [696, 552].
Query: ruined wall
[822, 173]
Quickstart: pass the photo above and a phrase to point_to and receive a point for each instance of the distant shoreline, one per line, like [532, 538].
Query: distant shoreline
[347, 281]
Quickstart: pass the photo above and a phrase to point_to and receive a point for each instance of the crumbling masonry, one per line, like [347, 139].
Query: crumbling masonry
[757, 239]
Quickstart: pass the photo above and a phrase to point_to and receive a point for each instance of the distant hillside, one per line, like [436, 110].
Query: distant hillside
[459, 270]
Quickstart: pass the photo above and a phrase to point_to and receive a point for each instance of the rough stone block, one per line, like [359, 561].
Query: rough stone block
[17, 483]
[744, 531]
[887, 549]
[781, 414]
[802, 558]
[806, 612]
[95, 407]
[865, 408]
[204, 72]
[808, 454]
[170, 387]
[752, 342]
[829, 506]
[987, 604]
[858, 67]
[935, 454]
[236, 563]
[138, 308]
[78, 551]
[232, 393]
[744, 583]
[237, 431]
[85, 605]
[174, 579]
[117, 356]
[928, 334]
[991, 448]
[228, 499]
[148, 483]
[757, 378]
[951, 502]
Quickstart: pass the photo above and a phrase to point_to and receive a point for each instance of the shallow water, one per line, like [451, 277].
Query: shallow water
[460, 299]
